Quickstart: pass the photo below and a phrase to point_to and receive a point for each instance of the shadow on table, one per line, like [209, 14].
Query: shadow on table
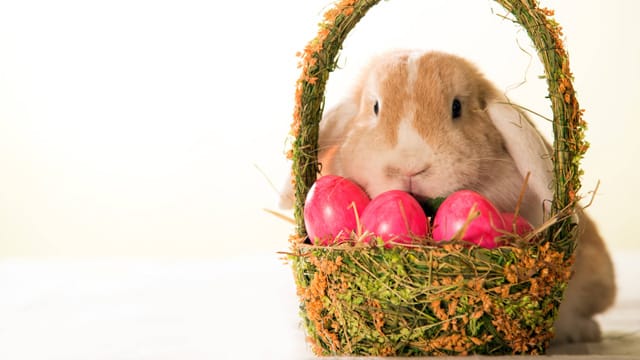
[612, 344]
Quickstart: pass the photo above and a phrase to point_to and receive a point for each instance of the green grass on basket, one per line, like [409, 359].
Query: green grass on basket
[425, 300]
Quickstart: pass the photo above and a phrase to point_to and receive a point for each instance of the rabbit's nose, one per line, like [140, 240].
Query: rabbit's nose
[413, 177]
[406, 171]
[422, 170]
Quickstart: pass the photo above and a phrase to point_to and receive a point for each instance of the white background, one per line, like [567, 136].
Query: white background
[153, 128]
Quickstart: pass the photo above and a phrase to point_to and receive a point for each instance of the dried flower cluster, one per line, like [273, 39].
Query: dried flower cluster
[428, 300]
[309, 58]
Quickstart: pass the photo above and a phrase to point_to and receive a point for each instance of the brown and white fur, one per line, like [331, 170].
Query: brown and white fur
[401, 129]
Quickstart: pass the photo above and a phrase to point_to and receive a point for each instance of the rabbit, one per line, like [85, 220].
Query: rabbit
[429, 123]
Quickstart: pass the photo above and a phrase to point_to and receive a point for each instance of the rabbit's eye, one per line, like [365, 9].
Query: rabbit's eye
[456, 109]
[376, 108]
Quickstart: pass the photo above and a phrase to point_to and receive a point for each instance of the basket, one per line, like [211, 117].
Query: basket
[435, 300]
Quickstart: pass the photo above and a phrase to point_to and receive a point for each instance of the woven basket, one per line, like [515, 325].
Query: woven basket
[429, 300]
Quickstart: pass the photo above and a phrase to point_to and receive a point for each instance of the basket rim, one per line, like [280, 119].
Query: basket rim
[319, 59]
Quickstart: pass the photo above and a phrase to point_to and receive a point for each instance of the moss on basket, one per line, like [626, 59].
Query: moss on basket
[430, 300]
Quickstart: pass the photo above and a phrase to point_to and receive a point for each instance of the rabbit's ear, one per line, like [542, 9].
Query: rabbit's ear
[526, 146]
[334, 126]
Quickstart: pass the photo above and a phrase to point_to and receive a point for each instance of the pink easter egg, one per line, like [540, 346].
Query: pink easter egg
[454, 212]
[330, 209]
[396, 217]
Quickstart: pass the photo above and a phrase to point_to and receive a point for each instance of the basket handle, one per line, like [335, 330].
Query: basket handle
[319, 59]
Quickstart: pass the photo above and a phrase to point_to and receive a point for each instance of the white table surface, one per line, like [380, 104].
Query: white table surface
[242, 308]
